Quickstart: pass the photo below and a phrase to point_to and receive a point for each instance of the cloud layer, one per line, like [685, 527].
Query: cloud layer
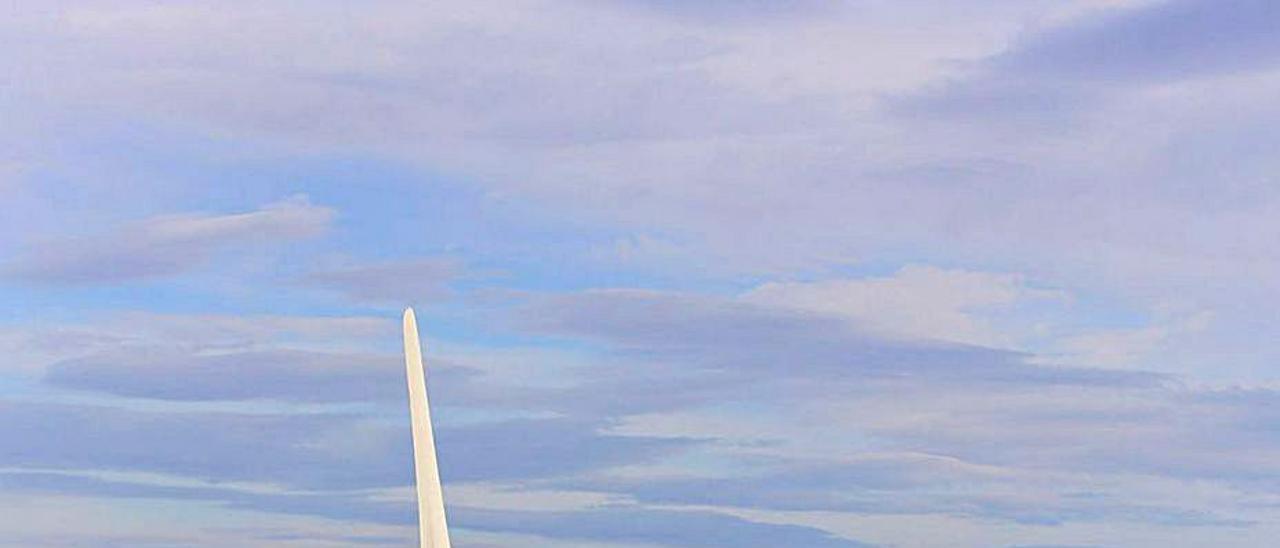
[920, 273]
[164, 246]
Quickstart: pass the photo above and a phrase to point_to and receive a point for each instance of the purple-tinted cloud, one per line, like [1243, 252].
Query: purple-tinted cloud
[757, 342]
[417, 280]
[677, 528]
[1160, 41]
[281, 449]
[1051, 79]
[165, 245]
[287, 375]
[691, 529]
[306, 450]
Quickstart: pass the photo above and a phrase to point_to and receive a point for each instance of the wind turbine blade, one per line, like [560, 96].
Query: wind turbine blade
[432, 530]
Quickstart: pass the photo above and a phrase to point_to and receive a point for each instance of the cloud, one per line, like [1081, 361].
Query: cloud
[1151, 43]
[134, 336]
[917, 485]
[349, 507]
[269, 374]
[802, 412]
[613, 524]
[334, 451]
[225, 332]
[1056, 79]
[1170, 433]
[336, 466]
[658, 116]
[544, 448]
[922, 408]
[402, 281]
[301, 451]
[693, 529]
[305, 359]
[1046, 456]
[911, 428]
[1127, 347]
[653, 114]
[42, 517]
[165, 245]
[1078, 154]
[757, 342]
[917, 302]
[729, 11]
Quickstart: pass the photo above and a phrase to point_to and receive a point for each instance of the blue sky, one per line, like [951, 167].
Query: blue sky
[690, 274]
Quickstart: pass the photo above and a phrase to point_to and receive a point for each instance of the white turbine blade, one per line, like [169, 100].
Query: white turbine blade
[431, 525]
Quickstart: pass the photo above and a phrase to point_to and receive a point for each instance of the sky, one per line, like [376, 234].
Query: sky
[711, 273]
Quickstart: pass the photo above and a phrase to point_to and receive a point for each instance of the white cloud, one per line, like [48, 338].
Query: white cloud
[919, 302]
[499, 496]
[1131, 347]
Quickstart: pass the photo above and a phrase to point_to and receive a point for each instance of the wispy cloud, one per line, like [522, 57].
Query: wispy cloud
[692, 529]
[208, 446]
[685, 199]
[1052, 79]
[165, 245]
[159, 373]
[752, 341]
[917, 302]
[399, 282]
[1157, 42]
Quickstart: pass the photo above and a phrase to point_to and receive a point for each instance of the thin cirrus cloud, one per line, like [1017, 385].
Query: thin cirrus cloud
[180, 374]
[1162, 41]
[287, 375]
[919, 302]
[334, 451]
[1050, 78]
[900, 486]
[729, 11]
[684, 529]
[165, 245]
[390, 281]
[225, 446]
[711, 333]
